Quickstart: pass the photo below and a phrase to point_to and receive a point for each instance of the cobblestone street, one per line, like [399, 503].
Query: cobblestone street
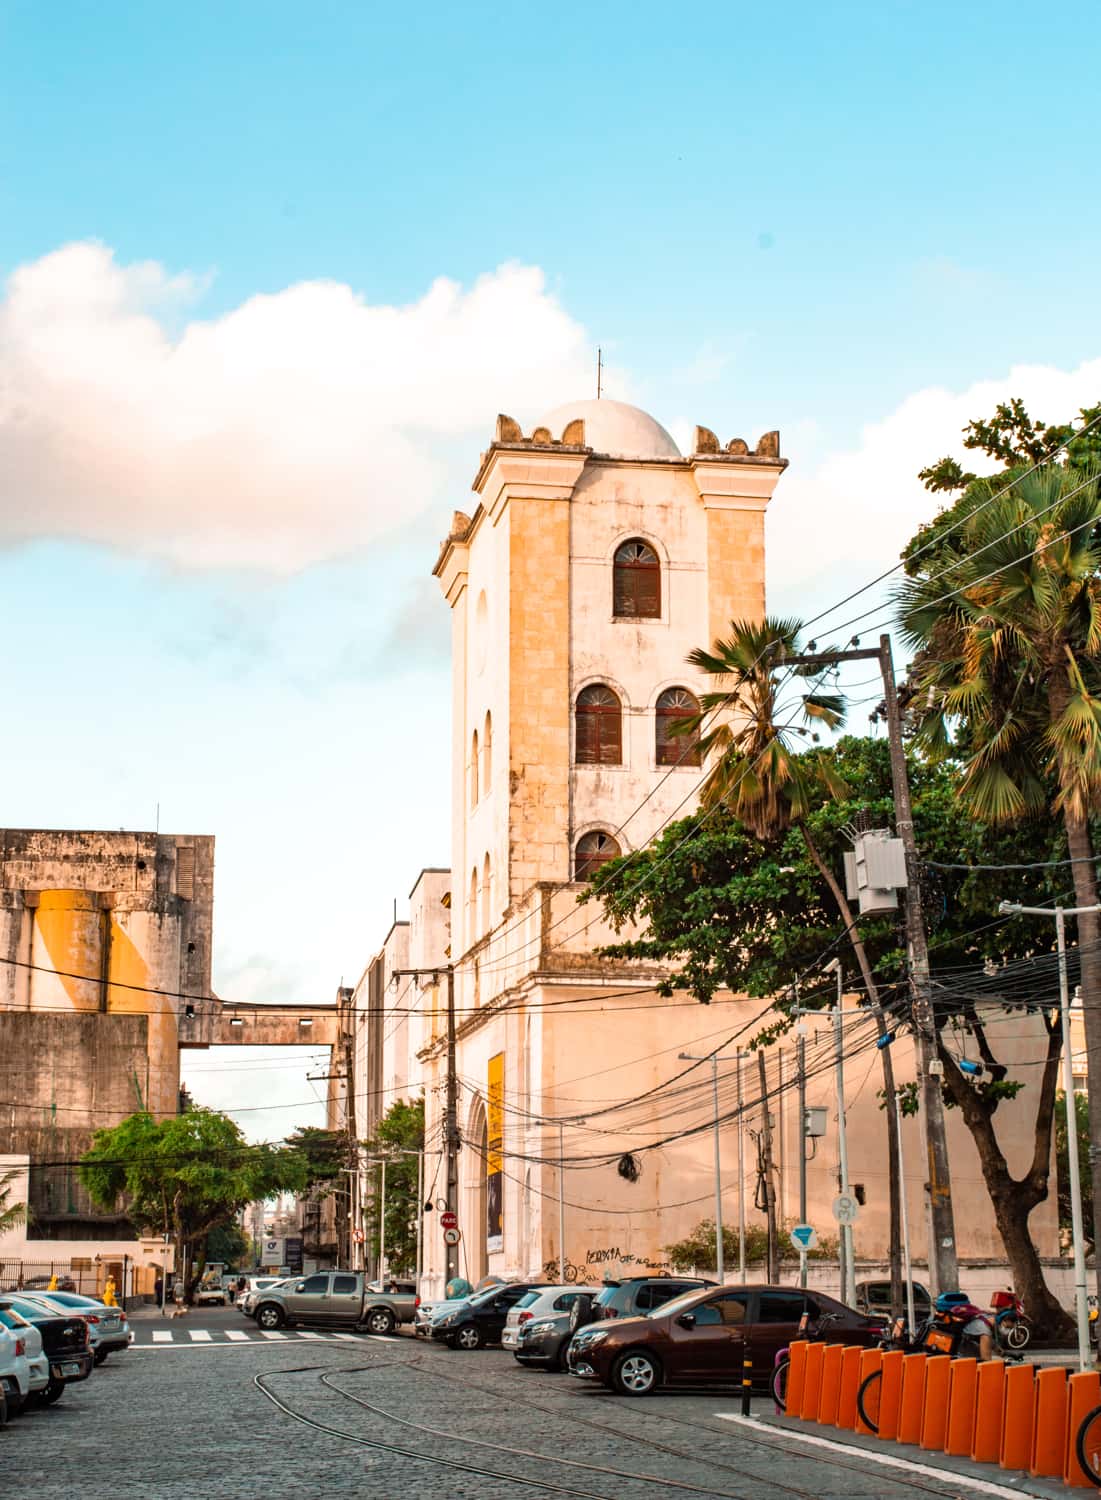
[191, 1417]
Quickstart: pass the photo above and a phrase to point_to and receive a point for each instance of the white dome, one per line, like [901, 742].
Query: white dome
[614, 428]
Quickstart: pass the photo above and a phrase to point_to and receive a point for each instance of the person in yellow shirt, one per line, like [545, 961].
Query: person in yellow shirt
[53, 1283]
[109, 1298]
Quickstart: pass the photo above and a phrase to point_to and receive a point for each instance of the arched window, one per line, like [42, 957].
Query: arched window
[674, 706]
[593, 850]
[487, 756]
[487, 889]
[473, 908]
[599, 727]
[636, 582]
[474, 770]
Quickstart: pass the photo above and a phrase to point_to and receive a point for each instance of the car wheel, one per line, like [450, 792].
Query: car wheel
[381, 1320]
[100, 1356]
[3, 1406]
[469, 1337]
[636, 1373]
[268, 1315]
[53, 1392]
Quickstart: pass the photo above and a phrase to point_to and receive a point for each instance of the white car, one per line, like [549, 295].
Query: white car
[24, 1368]
[544, 1302]
[213, 1294]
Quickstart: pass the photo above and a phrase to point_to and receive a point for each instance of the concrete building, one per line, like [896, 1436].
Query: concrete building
[596, 557]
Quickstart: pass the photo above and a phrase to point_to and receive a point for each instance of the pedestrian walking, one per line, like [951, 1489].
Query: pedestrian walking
[158, 1290]
[109, 1297]
[179, 1300]
[52, 1287]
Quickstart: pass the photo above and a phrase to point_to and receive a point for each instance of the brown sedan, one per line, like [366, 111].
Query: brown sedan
[700, 1338]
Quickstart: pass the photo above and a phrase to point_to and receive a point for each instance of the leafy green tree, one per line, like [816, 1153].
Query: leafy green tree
[697, 1250]
[229, 1245]
[1015, 441]
[1062, 1165]
[725, 910]
[11, 1214]
[185, 1175]
[399, 1137]
[1008, 679]
[325, 1153]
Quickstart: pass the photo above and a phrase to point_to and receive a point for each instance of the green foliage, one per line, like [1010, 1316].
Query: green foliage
[1062, 1164]
[907, 1095]
[229, 1244]
[698, 1249]
[185, 1175]
[1015, 441]
[11, 1214]
[400, 1132]
[729, 910]
[325, 1152]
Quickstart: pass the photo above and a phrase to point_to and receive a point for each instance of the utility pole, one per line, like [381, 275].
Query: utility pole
[1081, 1301]
[943, 1264]
[741, 1174]
[451, 1104]
[848, 1263]
[770, 1191]
[562, 1204]
[911, 1324]
[801, 1080]
[720, 1267]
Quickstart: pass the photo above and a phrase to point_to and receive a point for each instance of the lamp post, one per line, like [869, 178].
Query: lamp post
[1081, 1303]
[713, 1058]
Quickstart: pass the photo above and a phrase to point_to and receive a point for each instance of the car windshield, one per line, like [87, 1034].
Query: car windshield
[487, 1296]
[607, 1295]
[676, 1305]
[528, 1298]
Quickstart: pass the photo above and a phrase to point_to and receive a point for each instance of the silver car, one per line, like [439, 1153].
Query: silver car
[108, 1327]
[26, 1376]
[246, 1300]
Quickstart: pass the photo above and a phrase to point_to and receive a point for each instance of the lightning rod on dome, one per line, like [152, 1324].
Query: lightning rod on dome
[599, 371]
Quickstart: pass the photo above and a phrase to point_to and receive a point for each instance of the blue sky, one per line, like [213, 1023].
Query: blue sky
[238, 403]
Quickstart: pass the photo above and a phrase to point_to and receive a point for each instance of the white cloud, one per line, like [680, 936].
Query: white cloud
[291, 429]
[852, 516]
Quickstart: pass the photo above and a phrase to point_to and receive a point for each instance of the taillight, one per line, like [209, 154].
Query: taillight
[90, 1318]
[20, 1348]
[524, 1316]
[609, 1312]
[417, 1300]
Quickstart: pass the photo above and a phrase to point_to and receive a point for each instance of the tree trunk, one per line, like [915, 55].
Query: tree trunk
[894, 1183]
[1014, 1199]
[1080, 848]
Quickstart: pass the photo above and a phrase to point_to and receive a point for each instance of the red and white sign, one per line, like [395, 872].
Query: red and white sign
[449, 1220]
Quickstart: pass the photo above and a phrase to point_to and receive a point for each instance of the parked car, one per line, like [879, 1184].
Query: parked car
[246, 1300]
[480, 1319]
[546, 1302]
[34, 1357]
[65, 1339]
[702, 1337]
[631, 1296]
[210, 1294]
[109, 1326]
[875, 1297]
[336, 1299]
[108, 1329]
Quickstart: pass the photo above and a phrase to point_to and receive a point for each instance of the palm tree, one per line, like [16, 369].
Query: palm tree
[14, 1214]
[1008, 678]
[758, 773]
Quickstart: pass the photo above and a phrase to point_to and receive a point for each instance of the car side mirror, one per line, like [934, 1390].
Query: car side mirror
[301, 1287]
[687, 1320]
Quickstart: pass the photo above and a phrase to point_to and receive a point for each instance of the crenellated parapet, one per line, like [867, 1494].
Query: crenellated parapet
[768, 446]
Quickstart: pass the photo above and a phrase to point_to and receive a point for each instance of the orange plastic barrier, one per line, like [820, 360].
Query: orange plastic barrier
[912, 1399]
[812, 1385]
[831, 1384]
[890, 1395]
[1049, 1425]
[1019, 1412]
[989, 1407]
[850, 1384]
[870, 1361]
[961, 1408]
[934, 1422]
[1083, 1394]
[797, 1370]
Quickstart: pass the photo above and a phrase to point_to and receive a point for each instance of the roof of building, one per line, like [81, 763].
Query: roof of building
[614, 428]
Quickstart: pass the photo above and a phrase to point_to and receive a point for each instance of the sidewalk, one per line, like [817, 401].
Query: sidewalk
[974, 1479]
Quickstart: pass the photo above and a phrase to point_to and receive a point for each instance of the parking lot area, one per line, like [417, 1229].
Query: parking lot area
[237, 1418]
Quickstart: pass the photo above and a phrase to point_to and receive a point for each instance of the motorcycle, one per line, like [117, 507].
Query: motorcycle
[1012, 1329]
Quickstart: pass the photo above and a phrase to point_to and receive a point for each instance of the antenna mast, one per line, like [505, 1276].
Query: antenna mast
[599, 372]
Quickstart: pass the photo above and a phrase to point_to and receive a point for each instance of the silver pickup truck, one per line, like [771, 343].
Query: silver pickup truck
[337, 1299]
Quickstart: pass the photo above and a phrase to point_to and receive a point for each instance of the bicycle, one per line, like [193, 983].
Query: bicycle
[778, 1385]
[1087, 1445]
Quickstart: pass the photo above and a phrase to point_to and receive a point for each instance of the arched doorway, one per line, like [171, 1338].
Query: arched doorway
[473, 1221]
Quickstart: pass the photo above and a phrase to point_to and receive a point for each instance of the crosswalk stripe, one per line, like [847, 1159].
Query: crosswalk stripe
[162, 1336]
[236, 1335]
[268, 1334]
[351, 1336]
[320, 1336]
[199, 1336]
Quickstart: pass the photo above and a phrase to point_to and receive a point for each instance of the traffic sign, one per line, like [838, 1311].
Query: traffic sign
[846, 1210]
[452, 1236]
[449, 1220]
[804, 1237]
